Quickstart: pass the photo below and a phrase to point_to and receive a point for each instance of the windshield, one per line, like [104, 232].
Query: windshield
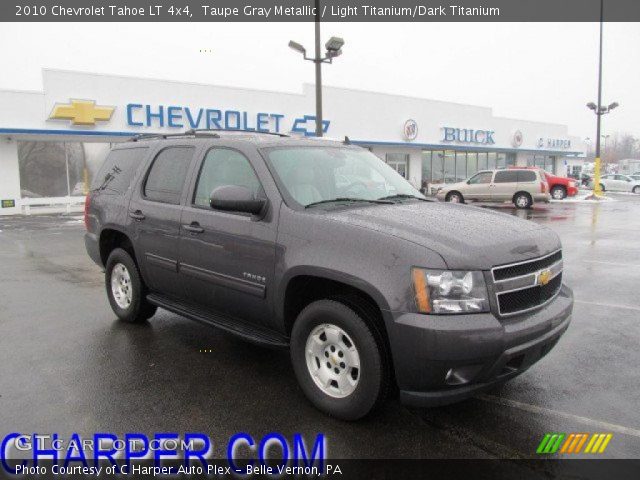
[319, 174]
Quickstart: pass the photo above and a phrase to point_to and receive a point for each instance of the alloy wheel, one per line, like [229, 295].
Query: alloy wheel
[121, 286]
[333, 360]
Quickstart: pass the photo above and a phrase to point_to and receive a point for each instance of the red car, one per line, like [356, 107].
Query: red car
[559, 187]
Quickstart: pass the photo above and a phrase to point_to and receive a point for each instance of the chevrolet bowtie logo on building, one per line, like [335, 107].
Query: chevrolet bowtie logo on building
[544, 276]
[81, 112]
[574, 443]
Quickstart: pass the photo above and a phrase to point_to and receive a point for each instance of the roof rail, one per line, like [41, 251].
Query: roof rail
[194, 132]
[215, 131]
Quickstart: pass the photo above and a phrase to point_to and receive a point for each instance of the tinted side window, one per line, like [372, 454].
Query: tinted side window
[506, 176]
[167, 175]
[118, 170]
[526, 176]
[221, 167]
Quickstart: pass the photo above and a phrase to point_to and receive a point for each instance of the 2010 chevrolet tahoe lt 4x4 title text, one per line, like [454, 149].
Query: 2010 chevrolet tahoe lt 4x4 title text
[321, 247]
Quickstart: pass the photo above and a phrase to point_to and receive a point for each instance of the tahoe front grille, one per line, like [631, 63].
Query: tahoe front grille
[527, 285]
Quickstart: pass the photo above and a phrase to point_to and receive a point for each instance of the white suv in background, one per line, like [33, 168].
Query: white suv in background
[618, 183]
[520, 186]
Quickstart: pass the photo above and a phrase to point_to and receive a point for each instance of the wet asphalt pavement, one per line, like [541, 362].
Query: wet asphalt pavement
[67, 365]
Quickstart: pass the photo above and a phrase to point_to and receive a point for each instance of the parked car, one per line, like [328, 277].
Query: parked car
[559, 187]
[635, 176]
[523, 187]
[249, 233]
[618, 183]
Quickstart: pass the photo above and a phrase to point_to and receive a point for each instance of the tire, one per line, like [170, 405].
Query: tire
[602, 187]
[454, 197]
[125, 289]
[349, 393]
[522, 200]
[558, 193]
[636, 189]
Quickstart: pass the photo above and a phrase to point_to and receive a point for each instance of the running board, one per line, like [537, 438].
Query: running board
[252, 333]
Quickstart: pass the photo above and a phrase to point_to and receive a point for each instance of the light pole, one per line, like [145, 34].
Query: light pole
[599, 110]
[334, 49]
[605, 152]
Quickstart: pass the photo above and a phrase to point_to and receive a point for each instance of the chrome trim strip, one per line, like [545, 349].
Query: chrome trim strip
[220, 279]
[531, 260]
[518, 283]
[528, 286]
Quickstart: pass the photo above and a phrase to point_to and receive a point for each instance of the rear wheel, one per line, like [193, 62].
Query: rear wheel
[454, 197]
[522, 200]
[636, 189]
[602, 187]
[125, 289]
[558, 193]
[337, 360]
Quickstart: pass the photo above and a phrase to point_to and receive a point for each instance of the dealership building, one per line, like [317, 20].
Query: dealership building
[52, 141]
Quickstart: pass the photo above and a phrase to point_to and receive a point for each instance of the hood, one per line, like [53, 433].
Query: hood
[465, 237]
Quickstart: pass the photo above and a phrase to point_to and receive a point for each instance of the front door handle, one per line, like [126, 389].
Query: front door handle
[193, 227]
[138, 215]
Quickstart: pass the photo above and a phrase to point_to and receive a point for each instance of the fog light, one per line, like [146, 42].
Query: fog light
[462, 375]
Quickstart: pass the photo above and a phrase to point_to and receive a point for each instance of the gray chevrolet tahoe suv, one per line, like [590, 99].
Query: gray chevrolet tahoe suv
[320, 247]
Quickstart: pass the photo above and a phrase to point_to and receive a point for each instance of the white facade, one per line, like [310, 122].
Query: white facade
[411, 128]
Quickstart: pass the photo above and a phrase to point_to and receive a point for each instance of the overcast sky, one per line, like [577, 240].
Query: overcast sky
[533, 71]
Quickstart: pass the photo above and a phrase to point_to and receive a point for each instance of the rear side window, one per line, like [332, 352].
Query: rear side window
[118, 170]
[167, 176]
[526, 176]
[506, 176]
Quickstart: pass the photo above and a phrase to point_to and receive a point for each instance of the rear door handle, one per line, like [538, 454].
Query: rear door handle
[193, 227]
[138, 215]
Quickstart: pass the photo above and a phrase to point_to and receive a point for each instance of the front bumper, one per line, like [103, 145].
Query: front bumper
[572, 191]
[481, 349]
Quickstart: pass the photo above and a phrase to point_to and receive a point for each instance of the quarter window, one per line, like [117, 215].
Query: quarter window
[526, 176]
[167, 176]
[507, 176]
[223, 166]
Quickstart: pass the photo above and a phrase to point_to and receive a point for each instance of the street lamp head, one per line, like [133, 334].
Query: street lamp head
[334, 53]
[590, 105]
[614, 105]
[334, 44]
[297, 47]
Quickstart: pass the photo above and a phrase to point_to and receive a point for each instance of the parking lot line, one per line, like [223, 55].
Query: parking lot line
[611, 427]
[609, 305]
[618, 264]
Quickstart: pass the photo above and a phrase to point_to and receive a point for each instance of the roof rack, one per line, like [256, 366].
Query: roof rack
[215, 131]
[194, 132]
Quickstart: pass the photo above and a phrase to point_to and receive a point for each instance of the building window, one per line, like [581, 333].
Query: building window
[58, 169]
[461, 166]
[399, 162]
[472, 163]
[426, 168]
[482, 161]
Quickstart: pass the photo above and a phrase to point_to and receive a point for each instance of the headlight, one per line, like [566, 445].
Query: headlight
[572, 184]
[449, 291]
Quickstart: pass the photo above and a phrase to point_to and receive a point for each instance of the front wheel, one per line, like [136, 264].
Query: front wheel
[337, 360]
[454, 197]
[125, 288]
[522, 200]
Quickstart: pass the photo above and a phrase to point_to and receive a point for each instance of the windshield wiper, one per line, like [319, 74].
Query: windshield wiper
[404, 195]
[349, 199]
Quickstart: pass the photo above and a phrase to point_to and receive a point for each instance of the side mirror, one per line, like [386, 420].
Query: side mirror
[234, 198]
